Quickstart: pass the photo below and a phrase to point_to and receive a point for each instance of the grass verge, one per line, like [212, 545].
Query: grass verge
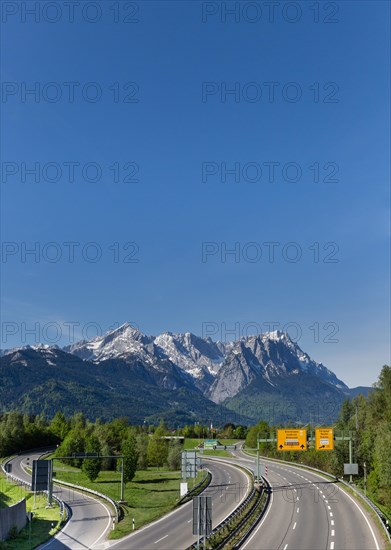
[46, 521]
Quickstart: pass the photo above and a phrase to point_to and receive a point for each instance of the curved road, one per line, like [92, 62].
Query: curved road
[174, 532]
[91, 519]
[310, 512]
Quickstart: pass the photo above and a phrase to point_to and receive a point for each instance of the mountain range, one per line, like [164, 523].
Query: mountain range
[179, 377]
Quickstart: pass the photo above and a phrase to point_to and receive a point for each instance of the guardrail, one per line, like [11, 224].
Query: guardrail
[371, 504]
[189, 494]
[79, 488]
[235, 513]
[62, 505]
[114, 504]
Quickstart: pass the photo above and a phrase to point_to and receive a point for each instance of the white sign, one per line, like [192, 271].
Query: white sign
[184, 489]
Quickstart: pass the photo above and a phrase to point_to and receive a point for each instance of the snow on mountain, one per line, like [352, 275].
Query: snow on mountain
[219, 370]
[122, 341]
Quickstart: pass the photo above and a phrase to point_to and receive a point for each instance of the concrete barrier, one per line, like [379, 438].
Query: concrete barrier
[13, 516]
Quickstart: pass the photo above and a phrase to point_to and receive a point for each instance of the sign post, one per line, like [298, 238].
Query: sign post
[202, 517]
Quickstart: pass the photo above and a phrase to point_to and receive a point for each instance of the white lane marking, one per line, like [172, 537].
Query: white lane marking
[109, 524]
[331, 515]
[332, 533]
[332, 545]
[321, 492]
[294, 527]
[298, 510]
[285, 547]
[189, 521]
[357, 506]
[156, 541]
[323, 496]
[298, 498]
[329, 507]
[260, 525]
[332, 522]
[365, 517]
[326, 501]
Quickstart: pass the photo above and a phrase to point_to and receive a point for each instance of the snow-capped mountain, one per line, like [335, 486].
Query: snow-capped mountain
[220, 370]
[181, 376]
[272, 357]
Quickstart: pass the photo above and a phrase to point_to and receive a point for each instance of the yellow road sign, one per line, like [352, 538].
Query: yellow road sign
[324, 439]
[292, 440]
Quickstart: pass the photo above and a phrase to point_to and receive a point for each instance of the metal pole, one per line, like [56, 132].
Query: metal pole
[35, 492]
[50, 483]
[198, 521]
[257, 474]
[365, 479]
[205, 504]
[122, 481]
[350, 454]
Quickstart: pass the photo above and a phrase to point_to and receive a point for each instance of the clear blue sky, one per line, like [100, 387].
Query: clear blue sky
[169, 52]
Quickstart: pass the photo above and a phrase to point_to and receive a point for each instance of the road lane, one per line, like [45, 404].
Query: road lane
[91, 519]
[310, 512]
[174, 531]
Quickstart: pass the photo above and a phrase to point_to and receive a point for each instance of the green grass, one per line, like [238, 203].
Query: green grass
[43, 520]
[217, 452]
[150, 494]
[191, 443]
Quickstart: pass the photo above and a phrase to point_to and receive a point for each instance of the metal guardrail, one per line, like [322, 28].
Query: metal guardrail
[233, 514]
[113, 503]
[189, 494]
[371, 504]
[63, 506]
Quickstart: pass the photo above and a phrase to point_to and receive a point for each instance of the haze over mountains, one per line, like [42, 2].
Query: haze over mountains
[180, 377]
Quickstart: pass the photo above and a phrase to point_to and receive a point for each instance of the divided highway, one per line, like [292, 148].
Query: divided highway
[174, 532]
[91, 519]
[310, 512]
[306, 512]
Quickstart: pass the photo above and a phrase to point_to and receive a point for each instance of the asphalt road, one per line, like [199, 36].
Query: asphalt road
[91, 519]
[310, 512]
[174, 532]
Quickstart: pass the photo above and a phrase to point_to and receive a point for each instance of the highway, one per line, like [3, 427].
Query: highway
[306, 512]
[91, 519]
[174, 532]
[310, 512]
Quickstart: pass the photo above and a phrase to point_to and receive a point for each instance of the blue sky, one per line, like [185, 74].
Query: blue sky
[328, 120]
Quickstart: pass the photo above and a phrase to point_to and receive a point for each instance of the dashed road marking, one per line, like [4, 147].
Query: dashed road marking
[332, 545]
[294, 527]
[332, 533]
[285, 547]
[156, 541]
[298, 510]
